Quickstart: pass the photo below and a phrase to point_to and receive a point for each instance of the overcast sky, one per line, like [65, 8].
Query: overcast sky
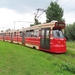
[23, 10]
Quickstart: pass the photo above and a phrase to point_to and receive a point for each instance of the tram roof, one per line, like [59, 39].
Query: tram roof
[45, 25]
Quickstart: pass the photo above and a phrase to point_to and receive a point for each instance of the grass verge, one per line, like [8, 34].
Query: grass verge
[20, 60]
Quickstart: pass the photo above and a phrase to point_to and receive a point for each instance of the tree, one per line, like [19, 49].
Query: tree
[35, 23]
[1, 30]
[65, 33]
[54, 12]
[8, 30]
[69, 32]
[73, 30]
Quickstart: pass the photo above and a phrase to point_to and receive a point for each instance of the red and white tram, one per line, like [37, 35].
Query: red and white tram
[48, 37]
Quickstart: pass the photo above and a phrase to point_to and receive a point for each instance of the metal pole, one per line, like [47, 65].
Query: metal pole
[14, 24]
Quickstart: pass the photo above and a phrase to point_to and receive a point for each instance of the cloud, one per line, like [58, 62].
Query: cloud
[23, 6]
[67, 5]
[70, 18]
[18, 5]
[8, 16]
[23, 10]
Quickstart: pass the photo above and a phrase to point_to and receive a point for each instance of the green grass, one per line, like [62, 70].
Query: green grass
[19, 60]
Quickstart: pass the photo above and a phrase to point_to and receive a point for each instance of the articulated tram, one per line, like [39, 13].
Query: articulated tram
[47, 37]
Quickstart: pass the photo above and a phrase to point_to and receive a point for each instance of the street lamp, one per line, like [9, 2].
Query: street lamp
[14, 24]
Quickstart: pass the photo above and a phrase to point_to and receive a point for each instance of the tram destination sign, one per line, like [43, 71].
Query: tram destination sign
[60, 24]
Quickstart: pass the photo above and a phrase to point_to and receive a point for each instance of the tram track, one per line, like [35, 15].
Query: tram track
[65, 57]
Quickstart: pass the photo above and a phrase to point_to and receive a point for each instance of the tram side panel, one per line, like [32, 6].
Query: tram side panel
[32, 42]
[1, 36]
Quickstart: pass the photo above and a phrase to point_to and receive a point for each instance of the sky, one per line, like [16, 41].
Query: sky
[15, 14]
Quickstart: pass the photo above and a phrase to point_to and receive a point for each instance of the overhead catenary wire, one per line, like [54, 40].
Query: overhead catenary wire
[62, 5]
[70, 11]
[66, 3]
[26, 18]
[47, 4]
[25, 21]
[30, 15]
[37, 13]
[45, 7]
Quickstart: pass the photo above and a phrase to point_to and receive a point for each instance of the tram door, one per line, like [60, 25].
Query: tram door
[45, 38]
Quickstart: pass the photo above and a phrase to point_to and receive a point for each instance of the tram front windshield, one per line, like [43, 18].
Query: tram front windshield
[58, 34]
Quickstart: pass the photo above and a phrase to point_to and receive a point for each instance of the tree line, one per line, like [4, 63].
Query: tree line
[69, 32]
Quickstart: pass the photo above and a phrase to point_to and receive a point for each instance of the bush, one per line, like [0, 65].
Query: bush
[68, 67]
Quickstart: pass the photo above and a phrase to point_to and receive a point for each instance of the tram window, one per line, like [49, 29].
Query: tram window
[20, 33]
[0, 34]
[42, 33]
[9, 34]
[36, 33]
[14, 34]
[47, 34]
[58, 34]
[31, 33]
[27, 33]
[5, 34]
[24, 33]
